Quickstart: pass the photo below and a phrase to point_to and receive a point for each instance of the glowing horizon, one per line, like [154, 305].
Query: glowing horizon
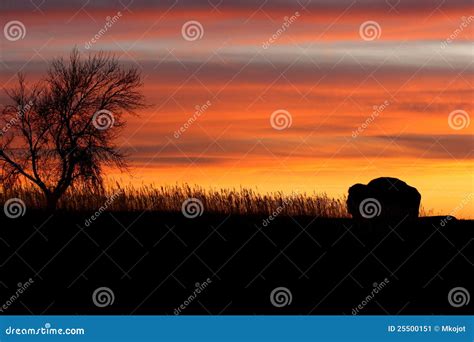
[360, 106]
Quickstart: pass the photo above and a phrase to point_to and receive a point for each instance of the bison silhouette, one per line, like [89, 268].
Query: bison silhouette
[384, 198]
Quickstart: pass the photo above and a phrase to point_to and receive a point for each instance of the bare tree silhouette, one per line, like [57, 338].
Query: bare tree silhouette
[60, 132]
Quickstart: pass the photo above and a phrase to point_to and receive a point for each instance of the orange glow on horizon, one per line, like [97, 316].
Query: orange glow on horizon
[319, 70]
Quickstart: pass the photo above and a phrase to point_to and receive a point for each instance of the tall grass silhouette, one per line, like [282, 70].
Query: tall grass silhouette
[170, 199]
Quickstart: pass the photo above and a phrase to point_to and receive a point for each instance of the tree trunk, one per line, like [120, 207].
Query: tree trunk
[51, 201]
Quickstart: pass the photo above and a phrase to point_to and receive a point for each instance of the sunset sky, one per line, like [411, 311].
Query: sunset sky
[371, 88]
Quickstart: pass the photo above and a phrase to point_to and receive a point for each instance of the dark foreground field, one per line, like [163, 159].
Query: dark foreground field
[154, 263]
